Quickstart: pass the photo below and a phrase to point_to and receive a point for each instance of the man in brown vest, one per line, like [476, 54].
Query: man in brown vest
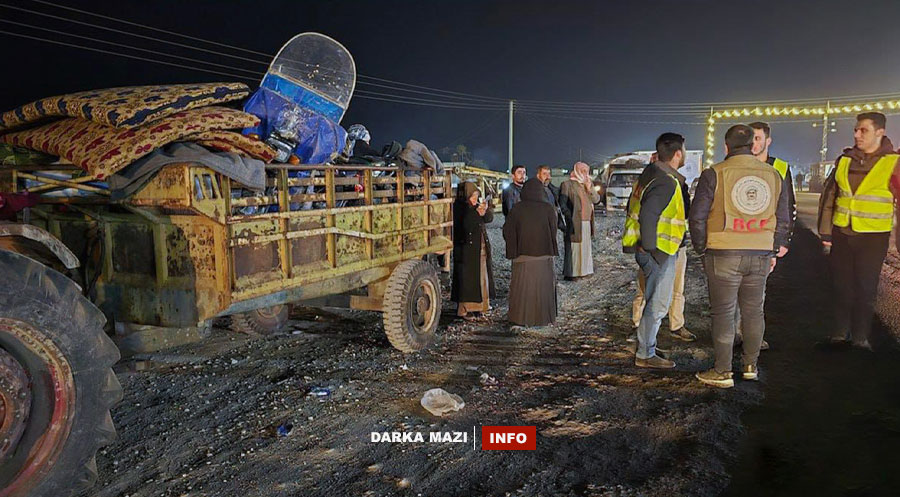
[739, 218]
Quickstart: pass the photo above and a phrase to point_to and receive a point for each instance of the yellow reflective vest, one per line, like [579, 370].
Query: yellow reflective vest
[670, 228]
[870, 209]
[781, 166]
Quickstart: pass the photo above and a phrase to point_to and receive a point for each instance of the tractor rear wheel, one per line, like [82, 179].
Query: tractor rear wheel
[56, 382]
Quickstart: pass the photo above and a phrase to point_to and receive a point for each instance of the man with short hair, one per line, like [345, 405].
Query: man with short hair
[762, 140]
[654, 231]
[543, 174]
[677, 328]
[576, 201]
[740, 218]
[513, 192]
[856, 215]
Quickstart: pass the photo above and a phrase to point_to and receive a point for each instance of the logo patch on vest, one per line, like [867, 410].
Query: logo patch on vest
[751, 195]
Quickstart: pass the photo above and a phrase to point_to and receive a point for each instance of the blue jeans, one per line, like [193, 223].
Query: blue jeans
[658, 298]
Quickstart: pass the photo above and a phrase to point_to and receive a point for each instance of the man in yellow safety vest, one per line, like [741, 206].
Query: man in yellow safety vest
[856, 216]
[654, 231]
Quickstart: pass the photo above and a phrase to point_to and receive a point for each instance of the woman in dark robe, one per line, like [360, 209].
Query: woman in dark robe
[530, 234]
[473, 281]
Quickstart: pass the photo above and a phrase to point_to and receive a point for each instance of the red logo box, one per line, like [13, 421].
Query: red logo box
[508, 438]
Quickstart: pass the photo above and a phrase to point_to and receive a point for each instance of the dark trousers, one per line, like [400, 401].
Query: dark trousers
[737, 281]
[856, 265]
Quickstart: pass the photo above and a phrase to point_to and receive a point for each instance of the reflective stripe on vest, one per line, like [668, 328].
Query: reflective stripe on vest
[632, 235]
[670, 228]
[871, 208]
[781, 166]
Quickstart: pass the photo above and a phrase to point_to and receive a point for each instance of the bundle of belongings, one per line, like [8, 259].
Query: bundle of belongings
[120, 137]
[415, 156]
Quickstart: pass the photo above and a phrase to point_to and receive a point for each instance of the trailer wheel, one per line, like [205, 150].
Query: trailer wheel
[56, 385]
[265, 321]
[412, 305]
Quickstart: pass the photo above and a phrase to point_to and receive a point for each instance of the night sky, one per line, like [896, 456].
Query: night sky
[594, 51]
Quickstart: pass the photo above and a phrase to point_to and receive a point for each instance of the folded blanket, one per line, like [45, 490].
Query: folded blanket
[246, 171]
[124, 107]
[229, 141]
[101, 150]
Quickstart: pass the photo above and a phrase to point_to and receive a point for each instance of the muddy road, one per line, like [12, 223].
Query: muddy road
[830, 422]
[202, 419]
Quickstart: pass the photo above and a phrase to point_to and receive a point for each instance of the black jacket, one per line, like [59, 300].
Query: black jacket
[788, 186]
[510, 197]
[654, 200]
[702, 205]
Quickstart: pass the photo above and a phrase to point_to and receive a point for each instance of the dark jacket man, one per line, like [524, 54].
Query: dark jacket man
[702, 206]
[510, 196]
[657, 191]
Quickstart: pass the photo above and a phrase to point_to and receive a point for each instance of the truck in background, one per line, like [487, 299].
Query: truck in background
[622, 172]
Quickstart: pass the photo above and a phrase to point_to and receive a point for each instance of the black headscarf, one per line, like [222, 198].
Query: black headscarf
[530, 228]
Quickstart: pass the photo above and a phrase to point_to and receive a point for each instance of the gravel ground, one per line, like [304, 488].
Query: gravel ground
[201, 420]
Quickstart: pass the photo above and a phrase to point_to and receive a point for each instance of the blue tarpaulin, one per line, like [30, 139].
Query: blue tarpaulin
[319, 137]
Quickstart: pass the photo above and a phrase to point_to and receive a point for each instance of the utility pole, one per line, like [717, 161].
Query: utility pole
[825, 128]
[510, 137]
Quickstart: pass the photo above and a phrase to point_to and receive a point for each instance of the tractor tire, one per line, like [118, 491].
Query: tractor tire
[265, 321]
[412, 305]
[53, 336]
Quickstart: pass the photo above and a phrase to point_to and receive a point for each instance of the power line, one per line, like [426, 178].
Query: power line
[119, 31]
[158, 30]
[472, 132]
[100, 50]
[474, 105]
[449, 105]
[448, 93]
[544, 106]
[362, 94]
[121, 45]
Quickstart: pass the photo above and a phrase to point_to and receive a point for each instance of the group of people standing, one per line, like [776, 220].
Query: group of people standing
[740, 220]
[534, 209]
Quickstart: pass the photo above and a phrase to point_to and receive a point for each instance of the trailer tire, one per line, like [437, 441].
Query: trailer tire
[53, 336]
[412, 305]
[265, 321]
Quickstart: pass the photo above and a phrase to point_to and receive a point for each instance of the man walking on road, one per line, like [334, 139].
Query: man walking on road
[513, 192]
[740, 217]
[654, 232]
[856, 215]
[762, 140]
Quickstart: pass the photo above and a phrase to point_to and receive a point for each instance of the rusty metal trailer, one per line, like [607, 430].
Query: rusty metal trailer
[177, 254]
